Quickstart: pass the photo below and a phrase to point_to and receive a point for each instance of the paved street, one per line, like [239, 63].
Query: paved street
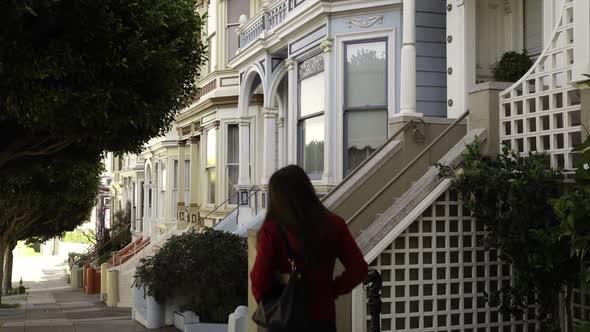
[52, 305]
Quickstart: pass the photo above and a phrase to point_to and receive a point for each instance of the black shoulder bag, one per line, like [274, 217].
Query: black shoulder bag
[283, 307]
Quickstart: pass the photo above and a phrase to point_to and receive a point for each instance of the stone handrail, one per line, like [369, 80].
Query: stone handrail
[268, 18]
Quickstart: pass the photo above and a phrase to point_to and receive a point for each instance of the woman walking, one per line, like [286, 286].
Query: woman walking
[297, 222]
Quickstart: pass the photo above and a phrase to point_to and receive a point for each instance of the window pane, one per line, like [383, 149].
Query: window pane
[211, 179]
[187, 174]
[174, 205]
[366, 74]
[233, 144]
[366, 131]
[175, 174]
[212, 147]
[232, 180]
[163, 182]
[211, 17]
[312, 155]
[212, 49]
[312, 95]
[533, 27]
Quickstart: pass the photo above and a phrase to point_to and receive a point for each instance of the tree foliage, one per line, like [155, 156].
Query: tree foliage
[106, 74]
[511, 196]
[209, 269]
[573, 208]
[512, 66]
[46, 196]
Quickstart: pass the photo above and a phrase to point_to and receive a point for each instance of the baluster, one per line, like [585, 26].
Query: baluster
[373, 285]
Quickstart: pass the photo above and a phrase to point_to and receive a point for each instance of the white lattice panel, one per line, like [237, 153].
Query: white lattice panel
[542, 111]
[436, 272]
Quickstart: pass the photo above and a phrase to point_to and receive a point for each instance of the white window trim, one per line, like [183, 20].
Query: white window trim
[298, 117]
[338, 102]
[224, 155]
[207, 167]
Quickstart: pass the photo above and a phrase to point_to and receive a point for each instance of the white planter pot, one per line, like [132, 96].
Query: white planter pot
[187, 321]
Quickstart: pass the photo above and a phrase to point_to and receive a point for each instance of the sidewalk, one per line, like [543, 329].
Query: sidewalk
[52, 306]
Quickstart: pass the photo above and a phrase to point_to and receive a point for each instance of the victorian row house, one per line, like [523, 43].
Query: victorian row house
[366, 96]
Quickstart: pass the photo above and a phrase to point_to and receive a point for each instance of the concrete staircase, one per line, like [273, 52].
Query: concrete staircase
[382, 179]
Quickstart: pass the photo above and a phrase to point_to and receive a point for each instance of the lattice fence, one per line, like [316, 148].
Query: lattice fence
[436, 272]
[542, 111]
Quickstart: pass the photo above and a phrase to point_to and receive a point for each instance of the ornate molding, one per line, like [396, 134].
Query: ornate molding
[281, 122]
[326, 45]
[244, 121]
[311, 66]
[507, 6]
[270, 112]
[290, 64]
[364, 23]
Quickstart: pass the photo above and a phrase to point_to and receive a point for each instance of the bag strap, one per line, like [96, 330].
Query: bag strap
[290, 252]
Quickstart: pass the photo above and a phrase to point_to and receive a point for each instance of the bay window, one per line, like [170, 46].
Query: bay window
[365, 101]
[311, 116]
[232, 162]
[210, 165]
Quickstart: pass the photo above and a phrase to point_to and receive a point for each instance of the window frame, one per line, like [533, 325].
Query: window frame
[234, 164]
[209, 167]
[300, 122]
[346, 110]
[301, 119]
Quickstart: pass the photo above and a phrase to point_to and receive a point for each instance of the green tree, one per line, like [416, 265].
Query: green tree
[108, 74]
[511, 196]
[47, 197]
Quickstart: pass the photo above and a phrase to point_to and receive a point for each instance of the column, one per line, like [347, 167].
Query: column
[582, 44]
[282, 146]
[145, 199]
[329, 139]
[244, 168]
[195, 179]
[270, 116]
[291, 111]
[408, 60]
[180, 206]
[194, 171]
[461, 46]
[168, 209]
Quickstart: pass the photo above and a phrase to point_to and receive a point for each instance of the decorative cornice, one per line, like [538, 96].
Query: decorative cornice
[181, 142]
[244, 121]
[364, 23]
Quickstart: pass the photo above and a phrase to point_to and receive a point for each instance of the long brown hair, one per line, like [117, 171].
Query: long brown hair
[293, 203]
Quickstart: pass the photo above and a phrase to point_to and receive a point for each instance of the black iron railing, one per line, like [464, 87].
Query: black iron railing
[373, 285]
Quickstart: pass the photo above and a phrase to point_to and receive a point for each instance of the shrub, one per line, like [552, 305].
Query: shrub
[210, 269]
[512, 66]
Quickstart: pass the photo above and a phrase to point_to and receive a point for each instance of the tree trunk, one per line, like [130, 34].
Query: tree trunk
[569, 319]
[3, 245]
[8, 264]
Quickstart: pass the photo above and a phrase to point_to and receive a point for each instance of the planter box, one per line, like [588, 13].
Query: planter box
[187, 321]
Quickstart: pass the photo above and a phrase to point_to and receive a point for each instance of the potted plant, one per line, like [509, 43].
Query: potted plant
[203, 273]
[511, 66]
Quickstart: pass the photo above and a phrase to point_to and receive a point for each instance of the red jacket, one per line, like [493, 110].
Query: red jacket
[320, 285]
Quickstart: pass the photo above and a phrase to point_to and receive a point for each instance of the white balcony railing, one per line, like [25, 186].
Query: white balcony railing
[267, 19]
